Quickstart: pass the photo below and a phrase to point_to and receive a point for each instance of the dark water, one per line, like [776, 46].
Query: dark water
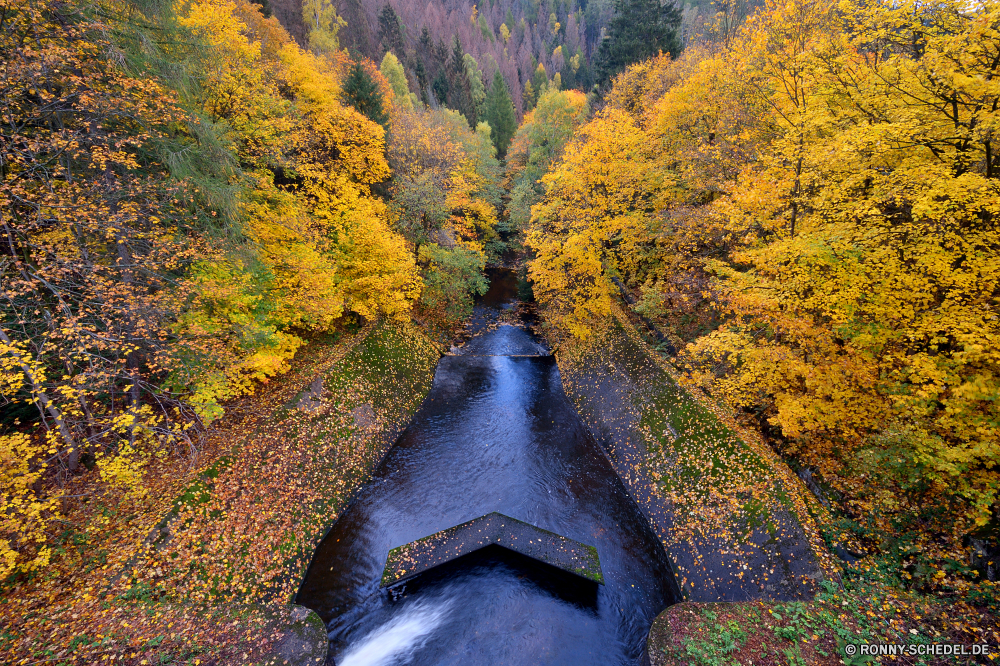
[496, 433]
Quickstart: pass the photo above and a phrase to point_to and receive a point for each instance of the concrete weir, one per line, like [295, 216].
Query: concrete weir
[496, 529]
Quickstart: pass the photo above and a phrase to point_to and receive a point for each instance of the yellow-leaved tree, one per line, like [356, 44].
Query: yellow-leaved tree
[822, 191]
[320, 241]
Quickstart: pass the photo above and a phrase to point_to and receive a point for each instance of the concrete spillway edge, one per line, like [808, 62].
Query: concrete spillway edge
[496, 529]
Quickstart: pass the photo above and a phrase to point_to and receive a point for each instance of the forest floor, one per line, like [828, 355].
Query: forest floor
[200, 565]
[867, 609]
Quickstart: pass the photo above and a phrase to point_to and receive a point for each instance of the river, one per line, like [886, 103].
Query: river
[495, 433]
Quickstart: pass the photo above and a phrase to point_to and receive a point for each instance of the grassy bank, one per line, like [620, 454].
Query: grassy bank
[735, 520]
[236, 527]
[865, 611]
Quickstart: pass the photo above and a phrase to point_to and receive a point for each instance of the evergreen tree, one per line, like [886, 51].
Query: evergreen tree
[440, 88]
[265, 7]
[639, 30]
[500, 114]
[460, 89]
[421, 74]
[441, 54]
[477, 87]
[389, 31]
[361, 92]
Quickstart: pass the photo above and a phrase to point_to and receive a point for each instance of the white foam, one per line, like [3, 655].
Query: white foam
[397, 640]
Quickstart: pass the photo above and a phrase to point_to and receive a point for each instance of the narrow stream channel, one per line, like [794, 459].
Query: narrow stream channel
[495, 433]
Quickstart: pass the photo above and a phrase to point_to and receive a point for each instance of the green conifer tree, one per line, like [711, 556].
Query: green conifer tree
[390, 32]
[638, 30]
[361, 92]
[477, 88]
[459, 86]
[500, 115]
[421, 75]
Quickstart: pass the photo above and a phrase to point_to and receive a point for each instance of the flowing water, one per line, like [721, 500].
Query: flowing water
[495, 433]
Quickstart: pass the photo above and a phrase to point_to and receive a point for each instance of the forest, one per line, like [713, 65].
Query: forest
[799, 200]
[810, 213]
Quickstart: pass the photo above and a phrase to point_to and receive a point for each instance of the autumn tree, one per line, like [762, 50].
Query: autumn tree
[825, 190]
[536, 146]
[446, 191]
[171, 259]
[393, 72]
[322, 25]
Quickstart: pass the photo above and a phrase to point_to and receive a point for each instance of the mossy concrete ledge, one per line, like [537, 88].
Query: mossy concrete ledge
[493, 529]
[303, 642]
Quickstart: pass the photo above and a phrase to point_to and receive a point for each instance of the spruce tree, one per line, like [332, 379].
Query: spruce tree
[361, 92]
[440, 88]
[421, 75]
[265, 7]
[500, 114]
[389, 32]
[477, 87]
[459, 86]
[638, 30]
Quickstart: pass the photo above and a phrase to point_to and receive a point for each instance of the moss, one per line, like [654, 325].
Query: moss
[727, 510]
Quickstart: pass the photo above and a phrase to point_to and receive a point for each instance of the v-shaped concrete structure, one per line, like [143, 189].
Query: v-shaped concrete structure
[497, 529]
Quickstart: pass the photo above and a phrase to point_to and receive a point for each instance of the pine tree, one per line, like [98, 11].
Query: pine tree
[477, 87]
[639, 30]
[361, 92]
[389, 31]
[460, 89]
[440, 88]
[500, 114]
[265, 7]
[421, 74]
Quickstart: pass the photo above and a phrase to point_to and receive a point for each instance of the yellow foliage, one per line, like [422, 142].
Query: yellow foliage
[323, 24]
[595, 214]
[826, 181]
[319, 249]
[24, 514]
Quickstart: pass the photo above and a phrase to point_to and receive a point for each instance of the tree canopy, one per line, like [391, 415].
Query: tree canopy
[820, 194]
[361, 92]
